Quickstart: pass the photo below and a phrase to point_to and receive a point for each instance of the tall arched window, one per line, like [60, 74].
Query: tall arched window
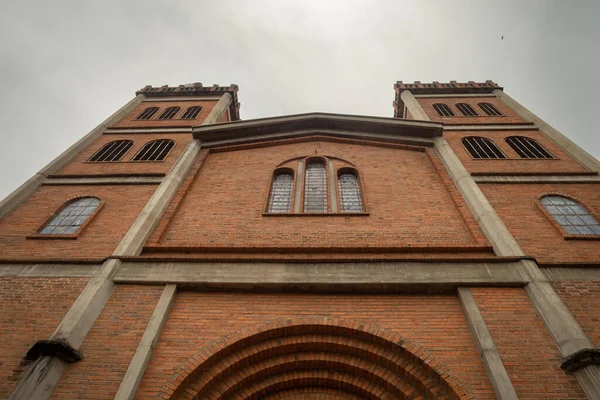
[466, 109]
[527, 148]
[282, 187]
[490, 109]
[480, 147]
[169, 113]
[147, 113]
[112, 151]
[315, 186]
[155, 150]
[350, 193]
[191, 112]
[573, 217]
[443, 110]
[71, 217]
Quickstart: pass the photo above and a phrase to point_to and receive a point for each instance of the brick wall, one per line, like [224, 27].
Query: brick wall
[509, 115]
[516, 204]
[129, 120]
[583, 299]
[30, 310]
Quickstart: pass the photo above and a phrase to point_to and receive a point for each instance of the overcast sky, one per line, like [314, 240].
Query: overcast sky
[67, 65]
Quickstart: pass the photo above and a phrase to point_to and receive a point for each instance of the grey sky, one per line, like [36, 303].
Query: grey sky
[67, 65]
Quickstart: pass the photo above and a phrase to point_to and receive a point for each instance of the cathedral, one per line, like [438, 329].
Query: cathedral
[449, 251]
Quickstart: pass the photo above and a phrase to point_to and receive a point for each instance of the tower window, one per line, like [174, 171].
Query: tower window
[490, 109]
[466, 109]
[280, 200]
[191, 112]
[71, 217]
[443, 110]
[112, 151]
[315, 187]
[147, 113]
[169, 113]
[527, 148]
[480, 147]
[571, 215]
[155, 150]
[349, 189]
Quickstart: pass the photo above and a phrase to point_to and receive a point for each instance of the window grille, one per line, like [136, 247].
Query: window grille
[191, 112]
[71, 217]
[490, 109]
[147, 113]
[443, 110]
[112, 151]
[315, 187]
[571, 215]
[280, 200]
[480, 147]
[155, 150]
[466, 109]
[527, 148]
[169, 113]
[350, 196]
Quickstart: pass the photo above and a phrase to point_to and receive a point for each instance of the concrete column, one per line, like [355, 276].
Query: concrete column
[332, 192]
[141, 358]
[412, 104]
[39, 382]
[561, 140]
[485, 346]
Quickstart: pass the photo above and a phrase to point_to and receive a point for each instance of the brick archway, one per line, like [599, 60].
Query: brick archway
[313, 357]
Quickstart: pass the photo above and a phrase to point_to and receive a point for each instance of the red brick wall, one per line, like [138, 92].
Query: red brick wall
[538, 237]
[122, 205]
[110, 344]
[129, 120]
[81, 166]
[30, 310]
[583, 299]
[513, 164]
[527, 350]
[509, 115]
[434, 322]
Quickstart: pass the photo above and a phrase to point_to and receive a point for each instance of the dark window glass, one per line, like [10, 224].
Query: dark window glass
[480, 147]
[280, 200]
[315, 187]
[350, 196]
[443, 110]
[571, 216]
[156, 150]
[466, 109]
[169, 113]
[71, 217]
[191, 112]
[147, 113]
[527, 148]
[489, 109]
[112, 151]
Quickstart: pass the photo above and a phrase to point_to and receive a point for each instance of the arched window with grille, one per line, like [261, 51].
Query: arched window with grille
[147, 113]
[169, 113]
[571, 215]
[443, 110]
[112, 151]
[490, 109]
[282, 191]
[315, 186]
[191, 112]
[349, 191]
[527, 148]
[466, 109]
[71, 217]
[155, 150]
[480, 147]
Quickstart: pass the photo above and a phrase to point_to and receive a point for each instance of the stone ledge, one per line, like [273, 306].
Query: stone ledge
[580, 359]
[54, 348]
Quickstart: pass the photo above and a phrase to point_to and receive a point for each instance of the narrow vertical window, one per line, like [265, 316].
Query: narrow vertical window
[315, 186]
[112, 151]
[350, 194]
[147, 113]
[490, 109]
[527, 148]
[71, 217]
[191, 112]
[480, 147]
[280, 200]
[443, 110]
[571, 215]
[466, 110]
[169, 113]
[155, 150]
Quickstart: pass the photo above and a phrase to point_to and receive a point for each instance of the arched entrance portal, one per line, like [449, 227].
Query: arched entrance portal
[313, 358]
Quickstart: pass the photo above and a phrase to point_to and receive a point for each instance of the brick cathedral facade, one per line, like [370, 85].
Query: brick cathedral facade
[178, 252]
